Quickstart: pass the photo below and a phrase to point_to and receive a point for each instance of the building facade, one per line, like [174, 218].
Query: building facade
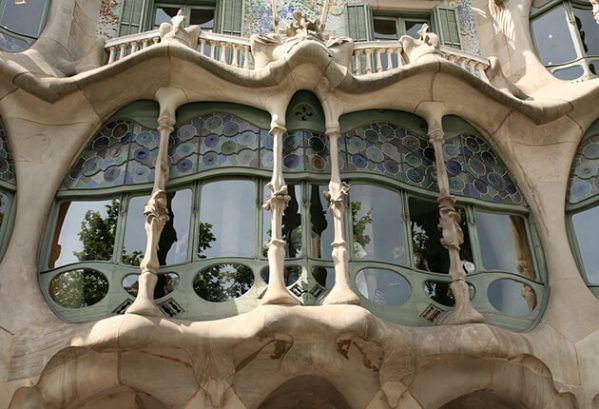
[356, 204]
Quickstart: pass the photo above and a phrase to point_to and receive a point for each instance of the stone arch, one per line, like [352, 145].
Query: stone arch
[483, 398]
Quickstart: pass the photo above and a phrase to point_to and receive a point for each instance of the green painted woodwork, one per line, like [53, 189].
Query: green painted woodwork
[447, 21]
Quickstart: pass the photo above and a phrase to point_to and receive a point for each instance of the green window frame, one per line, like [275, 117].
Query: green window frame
[361, 21]
[581, 63]
[309, 273]
[139, 15]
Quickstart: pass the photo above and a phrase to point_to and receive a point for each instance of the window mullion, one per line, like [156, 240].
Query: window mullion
[119, 234]
[195, 215]
[408, 228]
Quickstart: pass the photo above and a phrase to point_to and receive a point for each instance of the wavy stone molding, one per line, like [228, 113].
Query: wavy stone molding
[240, 362]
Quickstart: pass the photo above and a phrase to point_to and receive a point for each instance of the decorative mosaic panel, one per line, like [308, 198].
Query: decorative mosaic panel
[475, 171]
[383, 148]
[108, 21]
[584, 180]
[214, 140]
[258, 15]
[122, 152]
[467, 26]
[303, 151]
[7, 172]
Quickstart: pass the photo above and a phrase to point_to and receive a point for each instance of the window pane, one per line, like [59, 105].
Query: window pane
[292, 223]
[570, 73]
[429, 254]
[164, 15]
[504, 243]
[78, 288]
[223, 282]
[378, 228]
[412, 28]
[23, 18]
[166, 284]
[588, 29]
[587, 237]
[84, 231]
[322, 230]
[172, 247]
[512, 297]
[203, 18]
[383, 287]
[227, 219]
[552, 37]
[385, 29]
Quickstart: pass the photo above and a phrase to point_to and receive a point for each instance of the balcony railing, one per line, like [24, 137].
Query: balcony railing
[368, 57]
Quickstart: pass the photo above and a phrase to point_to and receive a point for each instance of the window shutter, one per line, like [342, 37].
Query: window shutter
[231, 16]
[358, 22]
[131, 17]
[447, 25]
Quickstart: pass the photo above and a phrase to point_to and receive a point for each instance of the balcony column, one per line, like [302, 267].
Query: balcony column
[277, 292]
[452, 234]
[156, 210]
[337, 196]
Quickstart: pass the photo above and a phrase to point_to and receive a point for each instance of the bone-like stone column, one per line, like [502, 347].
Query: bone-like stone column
[277, 293]
[337, 197]
[453, 237]
[156, 211]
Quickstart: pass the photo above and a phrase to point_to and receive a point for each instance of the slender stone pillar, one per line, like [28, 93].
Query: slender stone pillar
[453, 237]
[277, 292]
[157, 216]
[337, 197]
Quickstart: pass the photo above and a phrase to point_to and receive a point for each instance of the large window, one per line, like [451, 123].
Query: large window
[223, 16]
[7, 190]
[566, 36]
[213, 250]
[365, 24]
[21, 23]
[583, 207]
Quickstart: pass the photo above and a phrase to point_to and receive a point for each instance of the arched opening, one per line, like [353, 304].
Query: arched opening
[305, 392]
[482, 399]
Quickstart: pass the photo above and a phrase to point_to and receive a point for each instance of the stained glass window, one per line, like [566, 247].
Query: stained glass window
[386, 149]
[7, 172]
[584, 180]
[474, 170]
[123, 152]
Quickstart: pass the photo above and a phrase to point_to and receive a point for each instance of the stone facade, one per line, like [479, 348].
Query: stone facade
[272, 352]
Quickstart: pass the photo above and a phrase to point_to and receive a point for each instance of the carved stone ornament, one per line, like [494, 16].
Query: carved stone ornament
[272, 47]
[336, 197]
[277, 195]
[176, 31]
[426, 44]
[595, 4]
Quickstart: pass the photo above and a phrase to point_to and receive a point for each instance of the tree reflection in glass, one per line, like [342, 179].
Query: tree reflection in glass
[292, 223]
[84, 232]
[223, 282]
[504, 243]
[378, 228]
[227, 219]
[172, 247]
[78, 288]
[588, 30]
[429, 253]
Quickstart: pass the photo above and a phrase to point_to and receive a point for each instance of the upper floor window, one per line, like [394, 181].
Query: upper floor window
[566, 36]
[21, 23]
[583, 207]
[7, 189]
[202, 16]
[213, 250]
[223, 16]
[365, 24]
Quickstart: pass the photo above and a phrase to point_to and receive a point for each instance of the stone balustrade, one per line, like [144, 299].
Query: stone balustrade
[368, 57]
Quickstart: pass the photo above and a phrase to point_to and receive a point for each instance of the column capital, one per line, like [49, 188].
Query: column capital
[277, 128]
[166, 122]
[436, 135]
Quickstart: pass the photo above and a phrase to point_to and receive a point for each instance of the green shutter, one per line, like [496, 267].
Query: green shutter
[231, 16]
[447, 25]
[131, 17]
[358, 22]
